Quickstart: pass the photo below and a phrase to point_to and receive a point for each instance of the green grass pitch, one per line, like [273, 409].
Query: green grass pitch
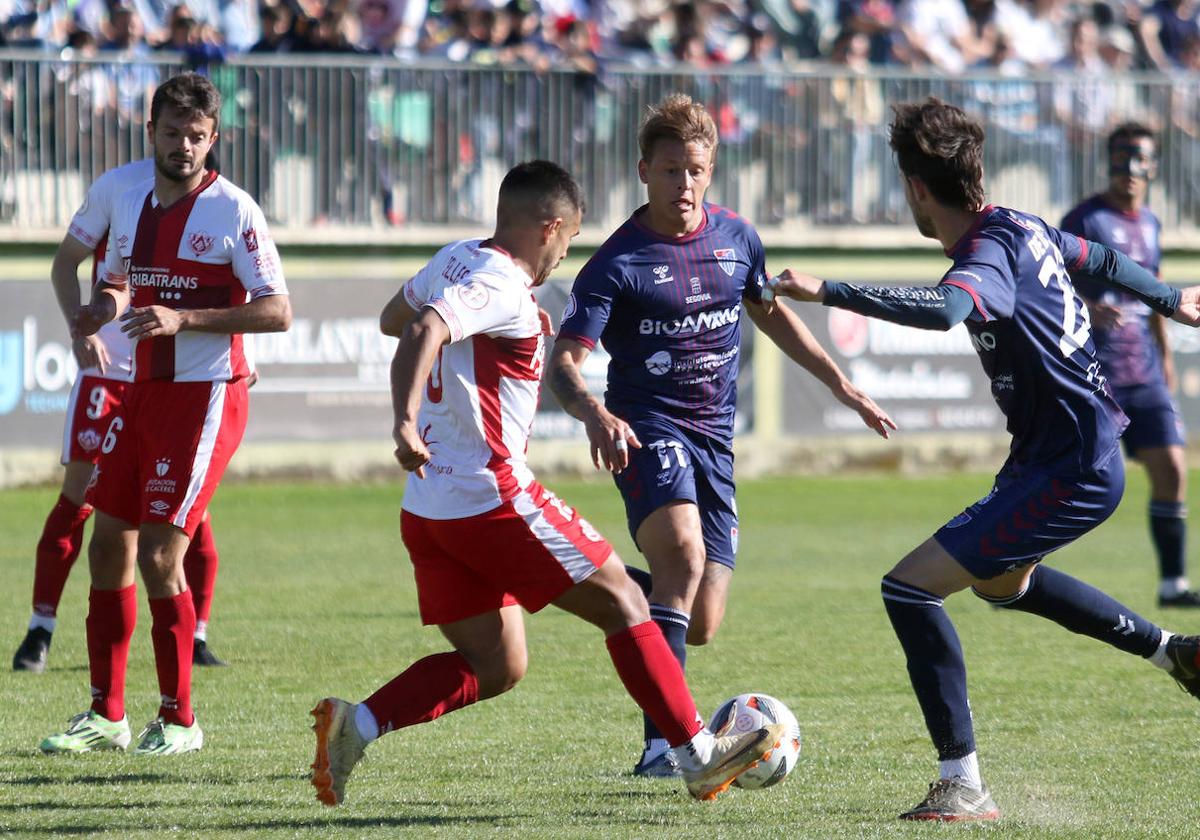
[315, 597]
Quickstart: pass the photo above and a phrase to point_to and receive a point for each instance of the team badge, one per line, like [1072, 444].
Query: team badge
[162, 467]
[89, 439]
[250, 237]
[474, 295]
[200, 243]
[727, 259]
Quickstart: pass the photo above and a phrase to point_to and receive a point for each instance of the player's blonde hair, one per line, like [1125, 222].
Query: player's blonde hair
[680, 118]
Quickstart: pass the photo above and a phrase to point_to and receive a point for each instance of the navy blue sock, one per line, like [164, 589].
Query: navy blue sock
[674, 625]
[1083, 609]
[641, 577]
[935, 666]
[1168, 528]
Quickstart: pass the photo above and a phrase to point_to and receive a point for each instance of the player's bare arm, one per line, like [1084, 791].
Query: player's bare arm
[64, 277]
[790, 334]
[608, 435]
[106, 302]
[411, 365]
[1162, 338]
[396, 315]
[271, 313]
[1188, 310]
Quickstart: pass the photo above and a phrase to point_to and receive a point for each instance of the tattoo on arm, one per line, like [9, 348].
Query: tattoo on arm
[567, 384]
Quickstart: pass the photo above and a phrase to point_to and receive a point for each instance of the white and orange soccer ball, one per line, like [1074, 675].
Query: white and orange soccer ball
[748, 712]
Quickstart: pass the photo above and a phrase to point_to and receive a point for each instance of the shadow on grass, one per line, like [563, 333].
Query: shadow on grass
[105, 779]
[370, 822]
[59, 805]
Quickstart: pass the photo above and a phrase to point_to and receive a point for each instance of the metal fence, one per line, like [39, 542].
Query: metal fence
[331, 145]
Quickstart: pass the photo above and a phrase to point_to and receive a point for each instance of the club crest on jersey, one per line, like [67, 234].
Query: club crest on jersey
[250, 237]
[727, 259]
[200, 243]
[662, 274]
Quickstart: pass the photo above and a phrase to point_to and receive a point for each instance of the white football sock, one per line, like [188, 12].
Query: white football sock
[201, 631]
[695, 753]
[45, 622]
[365, 723]
[1168, 587]
[965, 770]
[1159, 657]
[654, 748]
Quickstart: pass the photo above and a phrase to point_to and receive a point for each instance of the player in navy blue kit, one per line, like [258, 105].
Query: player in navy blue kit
[1134, 348]
[665, 295]
[1009, 282]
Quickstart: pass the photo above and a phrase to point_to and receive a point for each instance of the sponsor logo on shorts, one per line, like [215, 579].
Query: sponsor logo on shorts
[200, 243]
[88, 439]
[159, 507]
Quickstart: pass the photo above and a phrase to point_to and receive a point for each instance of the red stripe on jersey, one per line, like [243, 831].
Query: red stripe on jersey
[159, 234]
[496, 359]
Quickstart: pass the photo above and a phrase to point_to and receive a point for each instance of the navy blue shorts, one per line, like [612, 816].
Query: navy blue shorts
[675, 464]
[1031, 511]
[1154, 420]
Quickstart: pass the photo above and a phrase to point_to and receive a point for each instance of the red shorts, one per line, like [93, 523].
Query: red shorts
[163, 456]
[527, 551]
[93, 403]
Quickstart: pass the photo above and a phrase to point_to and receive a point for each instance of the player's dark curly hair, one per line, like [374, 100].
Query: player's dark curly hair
[190, 93]
[1130, 131]
[943, 146]
[539, 189]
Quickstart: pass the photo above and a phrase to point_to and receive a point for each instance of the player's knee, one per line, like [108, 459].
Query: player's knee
[497, 675]
[702, 631]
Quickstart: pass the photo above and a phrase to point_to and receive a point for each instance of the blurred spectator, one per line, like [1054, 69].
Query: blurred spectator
[240, 24]
[762, 46]
[185, 34]
[1036, 29]
[1117, 49]
[853, 129]
[799, 26]
[981, 23]
[936, 33]
[124, 32]
[1183, 155]
[874, 18]
[276, 30]
[1081, 98]
[391, 27]
[1166, 27]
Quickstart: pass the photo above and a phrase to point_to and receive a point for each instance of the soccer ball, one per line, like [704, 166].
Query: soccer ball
[748, 712]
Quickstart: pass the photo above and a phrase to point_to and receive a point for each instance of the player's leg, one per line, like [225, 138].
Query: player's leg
[200, 569]
[671, 540]
[57, 550]
[609, 599]
[716, 500]
[112, 615]
[1166, 467]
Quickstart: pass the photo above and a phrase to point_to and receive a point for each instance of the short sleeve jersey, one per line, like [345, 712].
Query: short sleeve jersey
[668, 313]
[480, 398]
[1129, 353]
[1033, 336]
[209, 250]
[90, 226]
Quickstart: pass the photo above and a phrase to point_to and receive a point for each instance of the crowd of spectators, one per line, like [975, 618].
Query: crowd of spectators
[940, 35]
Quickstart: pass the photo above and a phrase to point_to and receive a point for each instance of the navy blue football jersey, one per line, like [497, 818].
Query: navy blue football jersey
[1033, 335]
[668, 312]
[1129, 353]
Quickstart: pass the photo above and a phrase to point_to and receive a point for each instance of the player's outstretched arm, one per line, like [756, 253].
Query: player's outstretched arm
[790, 334]
[1188, 311]
[1116, 269]
[411, 365]
[608, 435]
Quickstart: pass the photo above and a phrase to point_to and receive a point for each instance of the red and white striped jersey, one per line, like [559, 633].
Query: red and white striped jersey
[209, 250]
[90, 226]
[481, 396]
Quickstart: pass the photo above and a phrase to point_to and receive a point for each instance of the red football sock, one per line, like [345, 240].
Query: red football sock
[57, 550]
[655, 681]
[171, 632]
[110, 622]
[430, 688]
[200, 568]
